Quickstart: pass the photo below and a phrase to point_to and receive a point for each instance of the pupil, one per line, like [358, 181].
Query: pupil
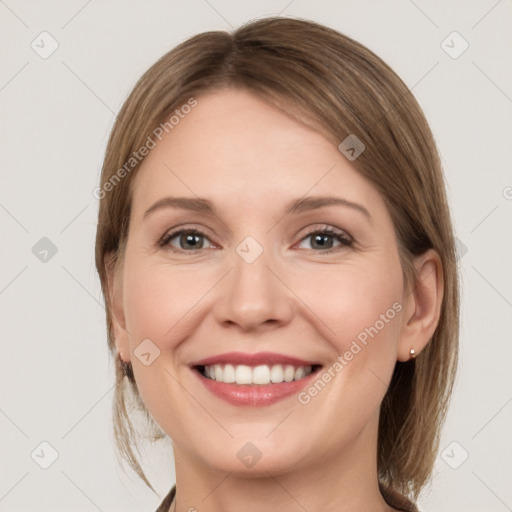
[190, 239]
[320, 240]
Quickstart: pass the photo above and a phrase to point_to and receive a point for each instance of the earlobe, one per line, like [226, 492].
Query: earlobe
[423, 306]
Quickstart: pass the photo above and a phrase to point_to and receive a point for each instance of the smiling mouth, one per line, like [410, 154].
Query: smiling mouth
[256, 375]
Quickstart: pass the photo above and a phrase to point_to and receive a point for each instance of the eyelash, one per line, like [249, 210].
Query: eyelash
[342, 237]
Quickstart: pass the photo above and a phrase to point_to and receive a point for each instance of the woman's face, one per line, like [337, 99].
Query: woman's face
[237, 272]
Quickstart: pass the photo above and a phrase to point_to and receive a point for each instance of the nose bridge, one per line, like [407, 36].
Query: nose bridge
[252, 294]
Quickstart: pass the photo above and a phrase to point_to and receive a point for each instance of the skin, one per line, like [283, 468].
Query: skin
[250, 159]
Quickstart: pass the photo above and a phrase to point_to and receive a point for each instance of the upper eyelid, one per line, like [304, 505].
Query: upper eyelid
[331, 231]
[321, 227]
[172, 233]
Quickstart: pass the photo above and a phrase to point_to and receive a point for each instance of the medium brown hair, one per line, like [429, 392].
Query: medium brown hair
[326, 79]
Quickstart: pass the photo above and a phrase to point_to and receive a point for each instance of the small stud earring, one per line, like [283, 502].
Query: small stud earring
[412, 354]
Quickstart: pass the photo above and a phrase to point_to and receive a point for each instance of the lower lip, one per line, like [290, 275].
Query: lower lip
[254, 395]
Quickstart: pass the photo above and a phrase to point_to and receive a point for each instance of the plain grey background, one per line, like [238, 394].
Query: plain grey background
[57, 111]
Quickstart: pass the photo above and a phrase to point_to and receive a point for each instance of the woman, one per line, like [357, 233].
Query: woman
[278, 264]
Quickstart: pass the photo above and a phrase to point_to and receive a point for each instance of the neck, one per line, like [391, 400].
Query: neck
[343, 480]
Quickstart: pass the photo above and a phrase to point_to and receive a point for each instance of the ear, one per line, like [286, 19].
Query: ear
[422, 305]
[115, 298]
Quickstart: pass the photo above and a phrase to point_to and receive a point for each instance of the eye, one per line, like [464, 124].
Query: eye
[193, 240]
[185, 240]
[323, 240]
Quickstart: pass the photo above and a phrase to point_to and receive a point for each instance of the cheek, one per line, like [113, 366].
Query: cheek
[161, 303]
[360, 314]
[160, 300]
[355, 302]
[359, 310]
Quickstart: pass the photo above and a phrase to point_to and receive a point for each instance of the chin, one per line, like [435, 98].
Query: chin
[256, 458]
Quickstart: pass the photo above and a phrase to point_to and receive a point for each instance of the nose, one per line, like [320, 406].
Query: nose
[254, 296]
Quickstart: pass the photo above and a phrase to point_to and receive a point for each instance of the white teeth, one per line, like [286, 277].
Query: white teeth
[276, 374]
[229, 374]
[243, 374]
[299, 373]
[289, 373]
[262, 374]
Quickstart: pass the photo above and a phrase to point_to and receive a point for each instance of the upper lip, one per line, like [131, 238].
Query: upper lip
[260, 358]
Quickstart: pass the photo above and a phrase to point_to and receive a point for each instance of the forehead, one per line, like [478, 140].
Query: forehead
[236, 148]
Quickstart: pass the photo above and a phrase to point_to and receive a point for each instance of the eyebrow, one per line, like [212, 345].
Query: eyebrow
[296, 206]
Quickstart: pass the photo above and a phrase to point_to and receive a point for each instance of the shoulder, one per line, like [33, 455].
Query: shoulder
[396, 500]
[166, 504]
